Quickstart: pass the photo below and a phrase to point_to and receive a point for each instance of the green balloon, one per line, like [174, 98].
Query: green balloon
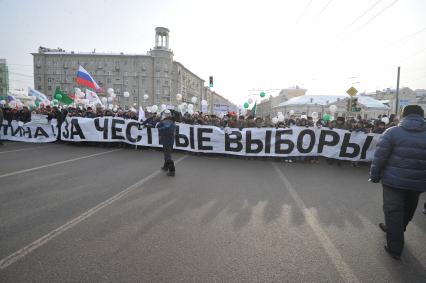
[262, 94]
[326, 117]
[37, 103]
[58, 96]
[246, 105]
[55, 101]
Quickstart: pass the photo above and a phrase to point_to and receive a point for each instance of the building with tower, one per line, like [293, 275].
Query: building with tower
[154, 73]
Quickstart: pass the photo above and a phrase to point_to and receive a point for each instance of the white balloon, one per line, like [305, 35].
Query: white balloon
[333, 108]
[146, 96]
[178, 96]
[385, 120]
[280, 118]
[113, 95]
[114, 109]
[126, 94]
[148, 109]
[314, 115]
[204, 102]
[134, 104]
[190, 111]
[2, 102]
[194, 99]
[104, 100]
[190, 107]
[109, 99]
[280, 114]
[12, 104]
[291, 112]
[184, 105]
[110, 91]
[275, 120]
[110, 107]
[154, 108]
[303, 117]
[163, 107]
[250, 100]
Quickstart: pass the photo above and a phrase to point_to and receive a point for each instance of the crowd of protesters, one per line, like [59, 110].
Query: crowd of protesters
[229, 120]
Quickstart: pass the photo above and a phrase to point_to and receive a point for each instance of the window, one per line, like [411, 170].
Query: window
[58, 80]
[143, 66]
[39, 87]
[158, 68]
[135, 99]
[109, 80]
[49, 80]
[39, 79]
[158, 88]
[166, 68]
[49, 88]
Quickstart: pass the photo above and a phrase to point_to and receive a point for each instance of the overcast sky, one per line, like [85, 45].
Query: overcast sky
[322, 45]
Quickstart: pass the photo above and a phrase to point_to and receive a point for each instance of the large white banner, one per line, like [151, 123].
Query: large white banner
[36, 131]
[294, 141]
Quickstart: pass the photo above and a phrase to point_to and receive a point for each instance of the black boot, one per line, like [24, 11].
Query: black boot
[164, 168]
[171, 166]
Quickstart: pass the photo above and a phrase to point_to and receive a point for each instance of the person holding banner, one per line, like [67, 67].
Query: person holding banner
[400, 163]
[166, 131]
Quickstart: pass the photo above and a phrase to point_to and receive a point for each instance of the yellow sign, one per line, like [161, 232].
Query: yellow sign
[352, 91]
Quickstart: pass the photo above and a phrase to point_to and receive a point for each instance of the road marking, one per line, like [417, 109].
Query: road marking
[55, 163]
[7, 261]
[344, 270]
[22, 149]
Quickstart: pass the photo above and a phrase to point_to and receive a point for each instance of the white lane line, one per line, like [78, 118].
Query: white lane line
[5, 262]
[22, 149]
[344, 270]
[54, 164]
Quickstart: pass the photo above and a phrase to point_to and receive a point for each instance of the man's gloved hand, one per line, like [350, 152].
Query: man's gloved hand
[374, 179]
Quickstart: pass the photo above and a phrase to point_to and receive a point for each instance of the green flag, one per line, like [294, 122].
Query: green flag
[62, 97]
[253, 110]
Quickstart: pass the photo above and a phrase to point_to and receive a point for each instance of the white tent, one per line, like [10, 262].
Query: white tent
[312, 100]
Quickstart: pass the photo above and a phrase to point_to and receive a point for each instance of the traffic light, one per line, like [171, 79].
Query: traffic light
[211, 81]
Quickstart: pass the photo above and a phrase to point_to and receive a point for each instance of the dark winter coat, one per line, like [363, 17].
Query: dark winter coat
[400, 157]
[1, 117]
[166, 131]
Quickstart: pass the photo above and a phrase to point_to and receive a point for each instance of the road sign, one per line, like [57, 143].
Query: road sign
[352, 91]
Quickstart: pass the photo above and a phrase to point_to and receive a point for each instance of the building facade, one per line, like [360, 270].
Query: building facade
[155, 74]
[266, 106]
[388, 96]
[4, 79]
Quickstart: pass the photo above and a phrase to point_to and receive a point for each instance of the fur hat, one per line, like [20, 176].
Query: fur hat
[413, 109]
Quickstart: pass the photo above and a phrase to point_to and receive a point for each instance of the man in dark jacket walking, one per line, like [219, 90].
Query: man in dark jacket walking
[400, 163]
[166, 131]
[1, 123]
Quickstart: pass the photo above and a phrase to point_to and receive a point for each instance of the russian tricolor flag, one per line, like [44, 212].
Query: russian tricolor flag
[85, 79]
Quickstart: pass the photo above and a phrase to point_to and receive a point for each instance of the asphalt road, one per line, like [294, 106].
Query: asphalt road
[96, 214]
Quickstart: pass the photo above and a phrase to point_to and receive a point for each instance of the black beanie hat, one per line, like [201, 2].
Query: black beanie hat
[413, 109]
